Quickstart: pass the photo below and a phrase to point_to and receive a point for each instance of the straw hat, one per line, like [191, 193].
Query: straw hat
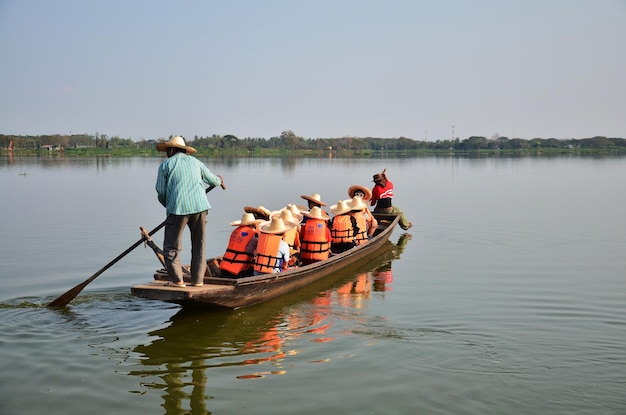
[357, 203]
[297, 213]
[316, 213]
[276, 226]
[343, 206]
[177, 142]
[286, 215]
[315, 198]
[246, 220]
[259, 212]
[356, 188]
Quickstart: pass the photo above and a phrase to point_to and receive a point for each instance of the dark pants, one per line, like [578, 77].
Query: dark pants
[172, 246]
[403, 222]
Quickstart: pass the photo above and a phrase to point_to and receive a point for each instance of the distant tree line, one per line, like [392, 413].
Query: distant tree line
[97, 141]
[289, 141]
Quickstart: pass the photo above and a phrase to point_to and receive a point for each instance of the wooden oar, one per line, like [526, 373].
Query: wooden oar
[65, 299]
[157, 251]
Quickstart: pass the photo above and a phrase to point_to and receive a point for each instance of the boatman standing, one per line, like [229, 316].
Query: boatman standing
[180, 188]
[382, 193]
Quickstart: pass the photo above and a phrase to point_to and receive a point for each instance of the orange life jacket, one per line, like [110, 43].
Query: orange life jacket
[266, 258]
[361, 222]
[315, 244]
[342, 231]
[236, 259]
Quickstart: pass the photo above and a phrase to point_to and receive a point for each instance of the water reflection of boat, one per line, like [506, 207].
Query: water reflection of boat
[382, 276]
[260, 340]
[241, 292]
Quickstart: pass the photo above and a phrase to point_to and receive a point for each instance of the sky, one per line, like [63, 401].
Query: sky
[422, 69]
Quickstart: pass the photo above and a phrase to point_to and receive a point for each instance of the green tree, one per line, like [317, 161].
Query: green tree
[474, 143]
[289, 139]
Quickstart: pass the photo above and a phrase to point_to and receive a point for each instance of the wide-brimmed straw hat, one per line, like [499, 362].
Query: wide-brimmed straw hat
[246, 220]
[177, 142]
[259, 212]
[356, 188]
[295, 211]
[315, 198]
[285, 214]
[343, 206]
[316, 213]
[276, 226]
[357, 203]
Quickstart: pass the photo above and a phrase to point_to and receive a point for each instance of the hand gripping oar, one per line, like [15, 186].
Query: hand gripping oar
[65, 299]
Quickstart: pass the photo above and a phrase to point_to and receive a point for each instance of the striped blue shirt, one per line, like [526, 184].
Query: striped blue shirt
[180, 184]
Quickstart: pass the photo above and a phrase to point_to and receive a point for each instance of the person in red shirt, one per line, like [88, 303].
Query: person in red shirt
[382, 195]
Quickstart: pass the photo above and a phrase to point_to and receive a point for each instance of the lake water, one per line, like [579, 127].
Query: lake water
[508, 296]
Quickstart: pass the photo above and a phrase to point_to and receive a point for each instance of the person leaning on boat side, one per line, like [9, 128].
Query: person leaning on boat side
[180, 188]
[272, 252]
[343, 227]
[382, 193]
[314, 236]
[370, 221]
[238, 260]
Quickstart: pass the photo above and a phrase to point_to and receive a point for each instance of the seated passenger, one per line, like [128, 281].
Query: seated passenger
[343, 227]
[370, 221]
[272, 253]
[314, 237]
[314, 200]
[238, 260]
[292, 237]
[358, 207]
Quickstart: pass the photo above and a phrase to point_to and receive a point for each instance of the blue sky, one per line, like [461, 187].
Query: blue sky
[149, 69]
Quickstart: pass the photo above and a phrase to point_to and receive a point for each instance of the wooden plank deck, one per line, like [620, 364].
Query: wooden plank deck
[159, 290]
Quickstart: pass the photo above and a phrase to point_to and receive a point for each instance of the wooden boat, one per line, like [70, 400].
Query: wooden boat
[246, 291]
